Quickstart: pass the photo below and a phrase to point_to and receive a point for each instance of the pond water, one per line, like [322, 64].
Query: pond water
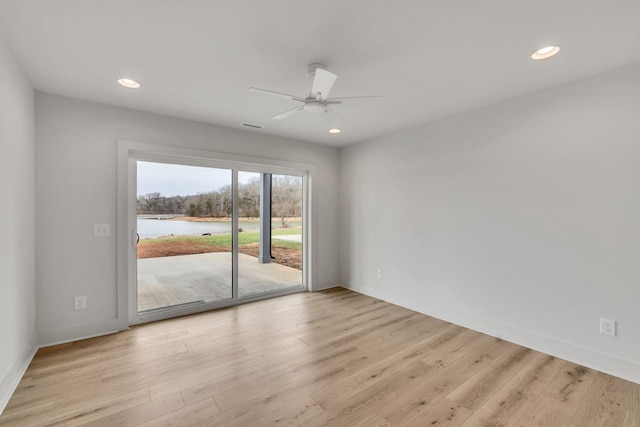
[150, 228]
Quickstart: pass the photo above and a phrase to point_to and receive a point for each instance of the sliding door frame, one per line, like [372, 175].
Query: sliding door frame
[129, 152]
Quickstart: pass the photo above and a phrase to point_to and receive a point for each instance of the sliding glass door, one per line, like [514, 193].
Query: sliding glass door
[211, 234]
[270, 251]
[184, 245]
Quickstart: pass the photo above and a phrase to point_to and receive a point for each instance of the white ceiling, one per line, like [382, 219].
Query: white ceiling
[196, 59]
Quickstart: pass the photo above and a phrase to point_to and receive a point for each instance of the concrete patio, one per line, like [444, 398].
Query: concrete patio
[200, 278]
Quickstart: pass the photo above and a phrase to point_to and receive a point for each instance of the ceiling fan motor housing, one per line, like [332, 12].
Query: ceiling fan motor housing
[315, 107]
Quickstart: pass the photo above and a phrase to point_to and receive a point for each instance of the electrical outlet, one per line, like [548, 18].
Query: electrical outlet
[608, 327]
[101, 230]
[80, 303]
[379, 273]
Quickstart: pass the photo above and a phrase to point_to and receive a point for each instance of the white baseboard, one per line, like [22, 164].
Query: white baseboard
[12, 379]
[325, 284]
[324, 288]
[46, 339]
[609, 364]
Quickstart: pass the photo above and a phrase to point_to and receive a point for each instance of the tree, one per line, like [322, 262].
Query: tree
[286, 197]
[193, 210]
[249, 198]
[286, 200]
[209, 204]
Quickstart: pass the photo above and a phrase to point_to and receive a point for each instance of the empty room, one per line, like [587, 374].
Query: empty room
[340, 213]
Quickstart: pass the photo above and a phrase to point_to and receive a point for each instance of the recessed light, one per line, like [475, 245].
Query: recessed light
[545, 52]
[334, 130]
[131, 84]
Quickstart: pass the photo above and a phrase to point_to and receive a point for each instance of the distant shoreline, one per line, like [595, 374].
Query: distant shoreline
[206, 218]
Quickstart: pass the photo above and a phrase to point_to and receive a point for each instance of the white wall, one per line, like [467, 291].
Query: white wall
[76, 144]
[521, 219]
[17, 225]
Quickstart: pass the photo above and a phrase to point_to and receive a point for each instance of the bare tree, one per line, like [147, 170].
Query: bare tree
[249, 198]
[286, 197]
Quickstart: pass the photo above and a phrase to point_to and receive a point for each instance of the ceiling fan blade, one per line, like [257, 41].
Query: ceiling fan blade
[287, 113]
[332, 111]
[373, 98]
[322, 83]
[276, 94]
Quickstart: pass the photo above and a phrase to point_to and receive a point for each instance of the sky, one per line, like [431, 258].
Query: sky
[173, 180]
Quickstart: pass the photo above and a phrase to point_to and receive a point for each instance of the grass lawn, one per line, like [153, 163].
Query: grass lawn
[224, 240]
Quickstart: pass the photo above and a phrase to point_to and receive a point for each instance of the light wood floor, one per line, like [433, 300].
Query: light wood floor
[331, 358]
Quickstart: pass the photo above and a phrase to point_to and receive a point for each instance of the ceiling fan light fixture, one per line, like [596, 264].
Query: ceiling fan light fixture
[334, 131]
[545, 52]
[129, 83]
[314, 107]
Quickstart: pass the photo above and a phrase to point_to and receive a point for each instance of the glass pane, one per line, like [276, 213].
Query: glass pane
[270, 233]
[184, 226]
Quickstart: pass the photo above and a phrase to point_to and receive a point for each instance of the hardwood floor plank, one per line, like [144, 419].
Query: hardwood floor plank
[316, 364]
[605, 403]
[560, 399]
[207, 369]
[274, 399]
[337, 392]
[365, 402]
[186, 416]
[546, 411]
[78, 411]
[373, 420]
[21, 415]
[632, 416]
[142, 413]
[481, 387]
[426, 399]
[328, 358]
[265, 362]
[442, 413]
[291, 415]
[510, 402]
[571, 384]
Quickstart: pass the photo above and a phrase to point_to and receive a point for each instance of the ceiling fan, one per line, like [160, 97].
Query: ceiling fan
[318, 100]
